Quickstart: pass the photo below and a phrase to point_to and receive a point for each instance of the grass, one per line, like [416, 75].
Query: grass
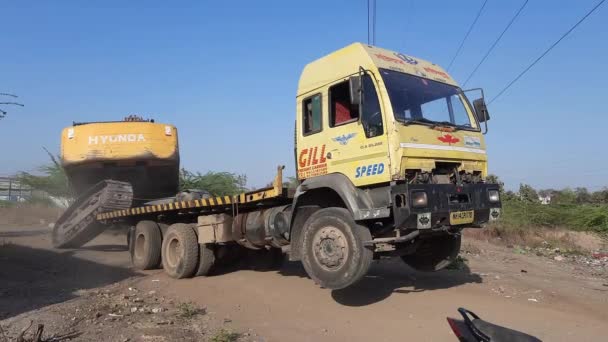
[224, 335]
[532, 227]
[530, 236]
[578, 217]
[189, 310]
[460, 263]
[7, 204]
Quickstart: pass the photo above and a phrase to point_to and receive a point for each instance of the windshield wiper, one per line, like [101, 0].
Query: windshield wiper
[419, 120]
[432, 123]
[446, 123]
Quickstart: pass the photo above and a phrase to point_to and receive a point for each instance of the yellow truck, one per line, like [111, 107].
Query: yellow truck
[391, 162]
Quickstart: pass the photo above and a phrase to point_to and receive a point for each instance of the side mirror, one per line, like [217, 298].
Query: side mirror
[482, 110]
[354, 83]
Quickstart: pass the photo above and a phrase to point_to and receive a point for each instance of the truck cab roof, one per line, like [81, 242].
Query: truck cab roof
[346, 61]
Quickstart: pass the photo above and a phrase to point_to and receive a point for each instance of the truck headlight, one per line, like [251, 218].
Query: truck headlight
[493, 196]
[419, 199]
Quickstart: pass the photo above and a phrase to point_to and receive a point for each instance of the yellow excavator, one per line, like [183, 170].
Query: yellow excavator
[113, 165]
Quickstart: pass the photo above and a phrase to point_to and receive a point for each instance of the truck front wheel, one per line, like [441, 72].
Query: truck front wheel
[333, 252]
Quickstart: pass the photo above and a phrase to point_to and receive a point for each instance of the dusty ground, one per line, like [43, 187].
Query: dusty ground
[88, 291]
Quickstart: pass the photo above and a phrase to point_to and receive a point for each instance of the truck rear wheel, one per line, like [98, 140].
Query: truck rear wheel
[206, 259]
[180, 251]
[145, 245]
[333, 252]
[434, 254]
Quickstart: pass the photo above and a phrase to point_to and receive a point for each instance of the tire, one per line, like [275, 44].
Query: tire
[206, 259]
[180, 251]
[145, 245]
[163, 231]
[333, 252]
[434, 254]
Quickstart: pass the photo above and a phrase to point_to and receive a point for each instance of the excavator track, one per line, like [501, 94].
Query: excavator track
[78, 224]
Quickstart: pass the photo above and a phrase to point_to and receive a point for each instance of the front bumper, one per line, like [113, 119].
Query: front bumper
[442, 200]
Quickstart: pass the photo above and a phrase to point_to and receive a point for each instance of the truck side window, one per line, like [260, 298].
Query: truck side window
[372, 116]
[341, 111]
[311, 110]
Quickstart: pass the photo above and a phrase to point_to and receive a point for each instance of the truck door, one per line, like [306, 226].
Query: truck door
[311, 149]
[356, 139]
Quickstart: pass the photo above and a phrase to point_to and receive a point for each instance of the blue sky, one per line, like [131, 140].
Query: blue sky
[225, 73]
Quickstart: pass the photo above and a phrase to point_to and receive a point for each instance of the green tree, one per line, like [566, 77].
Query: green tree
[564, 196]
[493, 179]
[600, 196]
[527, 193]
[509, 196]
[217, 183]
[291, 183]
[582, 195]
[52, 180]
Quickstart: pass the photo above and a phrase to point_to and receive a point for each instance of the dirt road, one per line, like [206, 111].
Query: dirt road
[556, 301]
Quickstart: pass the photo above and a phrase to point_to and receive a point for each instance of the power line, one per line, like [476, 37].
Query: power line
[374, 25]
[368, 42]
[371, 26]
[411, 15]
[495, 42]
[467, 35]
[547, 51]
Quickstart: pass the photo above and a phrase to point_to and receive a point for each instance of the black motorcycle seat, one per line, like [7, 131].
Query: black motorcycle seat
[497, 333]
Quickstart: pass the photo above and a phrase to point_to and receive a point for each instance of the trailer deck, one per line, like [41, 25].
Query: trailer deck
[275, 195]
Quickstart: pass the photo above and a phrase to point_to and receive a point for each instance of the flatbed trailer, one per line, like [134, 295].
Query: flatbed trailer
[273, 196]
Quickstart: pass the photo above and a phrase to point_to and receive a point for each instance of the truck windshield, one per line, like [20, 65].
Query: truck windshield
[420, 100]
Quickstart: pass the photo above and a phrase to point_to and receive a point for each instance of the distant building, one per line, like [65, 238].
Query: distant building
[12, 190]
[544, 199]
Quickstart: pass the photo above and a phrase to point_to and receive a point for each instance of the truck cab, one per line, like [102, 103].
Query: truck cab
[395, 143]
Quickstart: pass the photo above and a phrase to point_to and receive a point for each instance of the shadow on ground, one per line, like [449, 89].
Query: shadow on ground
[23, 233]
[384, 279]
[106, 248]
[33, 278]
[389, 277]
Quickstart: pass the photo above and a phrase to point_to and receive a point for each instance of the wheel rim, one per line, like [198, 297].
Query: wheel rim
[140, 246]
[330, 248]
[174, 249]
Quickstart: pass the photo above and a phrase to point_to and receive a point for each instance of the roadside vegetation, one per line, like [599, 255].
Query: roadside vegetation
[224, 335]
[573, 222]
[572, 209]
[51, 180]
[578, 217]
[217, 183]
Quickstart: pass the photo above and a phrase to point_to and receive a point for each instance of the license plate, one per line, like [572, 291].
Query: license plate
[462, 217]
